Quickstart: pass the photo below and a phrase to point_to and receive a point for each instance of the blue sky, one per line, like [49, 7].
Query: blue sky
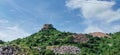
[21, 18]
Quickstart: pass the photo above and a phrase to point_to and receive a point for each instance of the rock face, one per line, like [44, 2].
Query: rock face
[99, 34]
[80, 38]
[8, 50]
[47, 26]
[12, 50]
[66, 50]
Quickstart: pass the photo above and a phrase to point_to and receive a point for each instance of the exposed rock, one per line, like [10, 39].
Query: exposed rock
[8, 50]
[12, 50]
[47, 26]
[66, 50]
[99, 34]
[80, 38]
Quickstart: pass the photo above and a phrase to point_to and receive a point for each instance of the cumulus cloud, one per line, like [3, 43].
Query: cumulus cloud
[98, 12]
[93, 29]
[8, 33]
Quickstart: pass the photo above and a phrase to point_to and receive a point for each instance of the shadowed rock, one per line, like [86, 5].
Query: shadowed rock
[80, 38]
[12, 50]
[47, 26]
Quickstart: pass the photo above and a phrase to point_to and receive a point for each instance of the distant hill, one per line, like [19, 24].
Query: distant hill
[50, 41]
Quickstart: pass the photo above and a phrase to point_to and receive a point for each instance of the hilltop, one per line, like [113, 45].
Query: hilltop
[50, 41]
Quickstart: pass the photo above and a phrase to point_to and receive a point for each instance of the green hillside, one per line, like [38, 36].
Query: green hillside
[48, 40]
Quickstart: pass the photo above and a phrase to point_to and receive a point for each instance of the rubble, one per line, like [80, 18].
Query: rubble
[66, 50]
[12, 50]
[8, 50]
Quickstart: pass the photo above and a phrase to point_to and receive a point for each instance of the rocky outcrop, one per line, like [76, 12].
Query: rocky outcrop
[9, 50]
[13, 50]
[99, 34]
[66, 50]
[47, 26]
[80, 38]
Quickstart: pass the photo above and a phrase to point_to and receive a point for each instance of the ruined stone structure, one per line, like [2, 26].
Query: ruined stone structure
[47, 26]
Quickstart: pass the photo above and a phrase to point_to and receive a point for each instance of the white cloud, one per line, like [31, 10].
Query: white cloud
[8, 33]
[90, 8]
[109, 16]
[98, 14]
[2, 21]
[92, 29]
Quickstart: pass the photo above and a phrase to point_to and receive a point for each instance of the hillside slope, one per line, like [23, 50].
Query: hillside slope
[50, 41]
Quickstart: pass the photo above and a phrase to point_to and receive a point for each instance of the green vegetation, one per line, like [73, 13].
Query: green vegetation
[102, 46]
[2, 42]
[36, 44]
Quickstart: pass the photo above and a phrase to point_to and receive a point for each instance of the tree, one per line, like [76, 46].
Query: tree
[2, 42]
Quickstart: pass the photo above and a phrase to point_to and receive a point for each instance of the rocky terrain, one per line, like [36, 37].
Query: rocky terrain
[66, 49]
[99, 34]
[10, 50]
[80, 38]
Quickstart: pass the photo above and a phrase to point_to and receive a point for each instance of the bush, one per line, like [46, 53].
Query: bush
[49, 52]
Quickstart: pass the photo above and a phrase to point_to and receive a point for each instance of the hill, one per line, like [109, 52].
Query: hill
[50, 41]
